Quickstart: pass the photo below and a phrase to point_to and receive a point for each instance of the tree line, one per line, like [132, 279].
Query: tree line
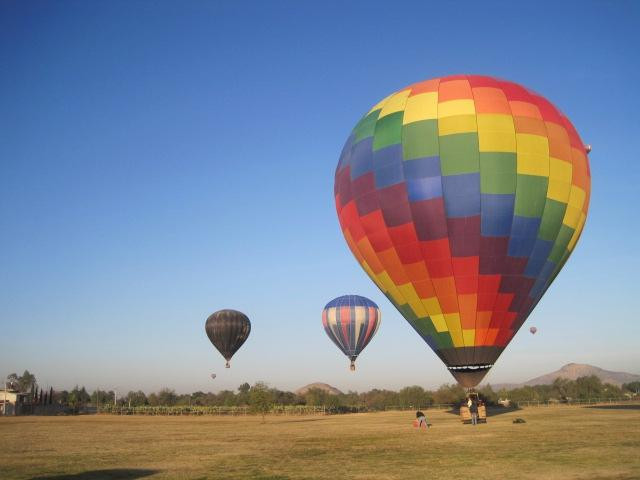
[259, 396]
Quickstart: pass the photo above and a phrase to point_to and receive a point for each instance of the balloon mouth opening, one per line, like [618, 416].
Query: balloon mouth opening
[468, 376]
[470, 368]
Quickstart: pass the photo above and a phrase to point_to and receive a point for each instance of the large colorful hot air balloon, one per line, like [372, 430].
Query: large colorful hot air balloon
[228, 330]
[462, 197]
[351, 321]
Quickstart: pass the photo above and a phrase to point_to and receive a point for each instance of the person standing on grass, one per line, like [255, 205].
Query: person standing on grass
[421, 419]
[473, 408]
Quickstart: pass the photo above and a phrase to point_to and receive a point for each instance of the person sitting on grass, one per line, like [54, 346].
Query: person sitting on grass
[421, 419]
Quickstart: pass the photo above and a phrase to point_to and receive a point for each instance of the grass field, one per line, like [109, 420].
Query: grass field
[555, 443]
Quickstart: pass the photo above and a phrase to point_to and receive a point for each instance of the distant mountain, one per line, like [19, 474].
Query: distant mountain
[320, 386]
[572, 371]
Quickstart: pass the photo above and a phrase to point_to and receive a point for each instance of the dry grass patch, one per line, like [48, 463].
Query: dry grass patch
[558, 442]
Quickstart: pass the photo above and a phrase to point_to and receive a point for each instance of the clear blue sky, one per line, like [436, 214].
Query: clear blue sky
[163, 160]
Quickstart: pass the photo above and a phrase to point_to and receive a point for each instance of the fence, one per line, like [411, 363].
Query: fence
[200, 410]
[195, 410]
[579, 402]
[435, 406]
[529, 403]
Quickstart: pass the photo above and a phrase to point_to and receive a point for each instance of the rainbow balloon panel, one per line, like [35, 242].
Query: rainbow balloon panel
[462, 197]
[351, 321]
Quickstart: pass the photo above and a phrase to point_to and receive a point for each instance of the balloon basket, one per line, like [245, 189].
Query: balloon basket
[352, 367]
[226, 365]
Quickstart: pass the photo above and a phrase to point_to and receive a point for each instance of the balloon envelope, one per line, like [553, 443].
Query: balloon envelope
[351, 321]
[228, 330]
[462, 197]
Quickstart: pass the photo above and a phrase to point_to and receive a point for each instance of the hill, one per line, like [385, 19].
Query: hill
[572, 371]
[325, 387]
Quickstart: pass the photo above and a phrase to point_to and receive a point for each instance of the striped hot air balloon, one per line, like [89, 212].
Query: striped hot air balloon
[351, 321]
[462, 197]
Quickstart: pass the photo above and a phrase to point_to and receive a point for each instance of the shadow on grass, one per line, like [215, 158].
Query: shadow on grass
[109, 474]
[615, 407]
[491, 411]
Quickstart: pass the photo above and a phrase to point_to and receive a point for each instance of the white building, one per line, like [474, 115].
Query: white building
[12, 401]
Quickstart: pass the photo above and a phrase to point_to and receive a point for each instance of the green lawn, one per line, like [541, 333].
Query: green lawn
[555, 443]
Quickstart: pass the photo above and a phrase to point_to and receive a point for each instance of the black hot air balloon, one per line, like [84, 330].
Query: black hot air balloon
[228, 330]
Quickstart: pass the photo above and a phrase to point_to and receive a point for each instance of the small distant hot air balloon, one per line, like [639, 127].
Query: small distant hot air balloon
[213, 376]
[533, 330]
[462, 198]
[351, 321]
[228, 330]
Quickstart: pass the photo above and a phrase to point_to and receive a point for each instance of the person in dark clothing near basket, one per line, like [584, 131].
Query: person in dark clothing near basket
[473, 408]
